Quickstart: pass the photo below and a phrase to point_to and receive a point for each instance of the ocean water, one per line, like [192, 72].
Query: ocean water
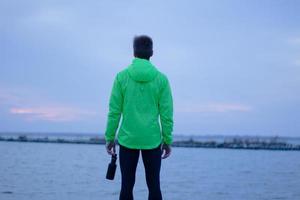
[40, 171]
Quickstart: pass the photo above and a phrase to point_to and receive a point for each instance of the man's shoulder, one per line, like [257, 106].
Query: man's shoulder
[122, 74]
[162, 78]
[162, 75]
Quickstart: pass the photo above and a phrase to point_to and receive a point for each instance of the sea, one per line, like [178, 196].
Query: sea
[52, 171]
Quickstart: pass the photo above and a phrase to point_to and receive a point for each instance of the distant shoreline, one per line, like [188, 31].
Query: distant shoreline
[236, 143]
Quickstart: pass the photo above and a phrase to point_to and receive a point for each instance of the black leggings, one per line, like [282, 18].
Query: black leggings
[128, 163]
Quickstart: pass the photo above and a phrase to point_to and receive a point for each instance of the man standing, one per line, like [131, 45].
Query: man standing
[142, 95]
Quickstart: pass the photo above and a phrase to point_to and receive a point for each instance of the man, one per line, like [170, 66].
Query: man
[142, 95]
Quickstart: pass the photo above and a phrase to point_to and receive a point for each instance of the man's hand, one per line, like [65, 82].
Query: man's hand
[111, 148]
[166, 151]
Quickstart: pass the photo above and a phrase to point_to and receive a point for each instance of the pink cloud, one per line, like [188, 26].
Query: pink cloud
[7, 98]
[56, 114]
[31, 106]
[214, 107]
[294, 40]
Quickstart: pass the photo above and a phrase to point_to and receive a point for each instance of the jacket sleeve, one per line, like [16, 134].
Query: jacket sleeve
[166, 112]
[115, 111]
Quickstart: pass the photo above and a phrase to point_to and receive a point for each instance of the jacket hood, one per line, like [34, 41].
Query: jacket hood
[142, 70]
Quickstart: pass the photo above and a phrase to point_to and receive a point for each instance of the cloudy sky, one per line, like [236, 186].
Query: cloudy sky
[234, 66]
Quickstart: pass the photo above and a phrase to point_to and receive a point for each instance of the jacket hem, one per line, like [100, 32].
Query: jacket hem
[144, 147]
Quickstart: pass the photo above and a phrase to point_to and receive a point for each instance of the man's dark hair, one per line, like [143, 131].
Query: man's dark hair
[143, 47]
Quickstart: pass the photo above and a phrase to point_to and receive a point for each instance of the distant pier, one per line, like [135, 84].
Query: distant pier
[235, 143]
[240, 144]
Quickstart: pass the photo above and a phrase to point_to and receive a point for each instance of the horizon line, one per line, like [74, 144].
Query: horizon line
[185, 135]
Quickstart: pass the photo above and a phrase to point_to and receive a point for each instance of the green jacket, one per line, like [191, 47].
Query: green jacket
[142, 95]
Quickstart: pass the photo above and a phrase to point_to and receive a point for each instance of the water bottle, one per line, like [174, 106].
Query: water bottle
[111, 170]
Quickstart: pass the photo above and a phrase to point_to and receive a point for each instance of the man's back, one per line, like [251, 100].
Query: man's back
[142, 94]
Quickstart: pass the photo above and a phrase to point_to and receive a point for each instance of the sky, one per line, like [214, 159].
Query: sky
[233, 66]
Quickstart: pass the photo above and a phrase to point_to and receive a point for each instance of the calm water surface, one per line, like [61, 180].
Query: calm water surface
[34, 171]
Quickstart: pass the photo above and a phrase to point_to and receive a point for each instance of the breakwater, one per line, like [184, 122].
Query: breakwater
[237, 143]
[255, 143]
